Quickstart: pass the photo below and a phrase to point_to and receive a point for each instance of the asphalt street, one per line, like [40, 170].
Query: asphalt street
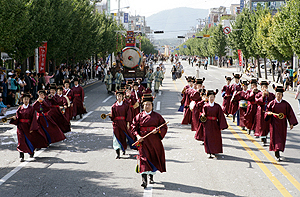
[84, 164]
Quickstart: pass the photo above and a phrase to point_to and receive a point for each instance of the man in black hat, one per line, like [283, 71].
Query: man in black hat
[78, 107]
[226, 94]
[279, 112]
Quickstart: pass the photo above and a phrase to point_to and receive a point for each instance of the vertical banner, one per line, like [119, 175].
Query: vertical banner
[240, 54]
[42, 57]
[125, 17]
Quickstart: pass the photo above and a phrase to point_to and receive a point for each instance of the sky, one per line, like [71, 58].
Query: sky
[149, 7]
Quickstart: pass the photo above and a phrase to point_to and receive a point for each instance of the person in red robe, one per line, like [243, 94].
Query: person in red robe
[78, 107]
[151, 149]
[198, 110]
[189, 85]
[69, 93]
[234, 88]
[215, 122]
[121, 115]
[196, 97]
[226, 94]
[141, 88]
[262, 99]
[29, 135]
[187, 116]
[242, 98]
[279, 112]
[46, 124]
[135, 99]
[252, 107]
[58, 103]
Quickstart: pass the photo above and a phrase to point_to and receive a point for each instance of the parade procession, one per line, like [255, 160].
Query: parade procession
[107, 98]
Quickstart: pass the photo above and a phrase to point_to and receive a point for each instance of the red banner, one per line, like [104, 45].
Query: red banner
[42, 57]
[240, 54]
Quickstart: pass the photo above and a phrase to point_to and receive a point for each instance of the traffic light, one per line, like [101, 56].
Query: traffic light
[180, 36]
[158, 32]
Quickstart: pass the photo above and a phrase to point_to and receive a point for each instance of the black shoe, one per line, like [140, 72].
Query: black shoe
[264, 141]
[243, 128]
[37, 149]
[118, 154]
[74, 118]
[80, 116]
[31, 155]
[124, 152]
[249, 132]
[277, 155]
[144, 180]
[151, 179]
[21, 157]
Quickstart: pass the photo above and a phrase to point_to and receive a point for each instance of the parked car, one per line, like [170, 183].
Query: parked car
[183, 58]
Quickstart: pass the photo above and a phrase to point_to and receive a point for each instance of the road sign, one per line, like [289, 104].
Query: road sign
[206, 35]
[184, 46]
[226, 30]
[194, 36]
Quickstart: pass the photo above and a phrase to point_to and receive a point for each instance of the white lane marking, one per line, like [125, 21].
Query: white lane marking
[106, 99]
[23, 164]
[159, 94]
[158, 105]
[148, 191]
[85, 97]
[84, 117]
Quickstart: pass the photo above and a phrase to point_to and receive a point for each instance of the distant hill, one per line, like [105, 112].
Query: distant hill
[176, 21]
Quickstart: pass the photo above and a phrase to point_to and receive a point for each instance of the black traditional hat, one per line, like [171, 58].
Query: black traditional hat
[42, 92]
[147, 98]
[228, 78]
[135, 83]
[237, 76]
[278, 88]
[121, 91]
[26, 95]
[129, 81]
[52, 86]
[147, 95]
[264, 83]
[245, 82]
[75, 79]
[67, 81]
[60, 87]
[200, 81]
[253, 81]
[211, 92]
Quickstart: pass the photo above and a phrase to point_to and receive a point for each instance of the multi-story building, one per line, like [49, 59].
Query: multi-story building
[274, 5]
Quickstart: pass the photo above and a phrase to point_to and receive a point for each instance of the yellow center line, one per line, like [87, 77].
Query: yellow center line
[273, 161]
[262, 166]
[182, 82]
[175, 86]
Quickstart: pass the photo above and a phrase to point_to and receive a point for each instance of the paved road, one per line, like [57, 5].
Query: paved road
[85, 165]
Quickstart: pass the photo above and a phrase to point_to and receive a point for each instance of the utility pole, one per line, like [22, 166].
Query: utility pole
[119, 14]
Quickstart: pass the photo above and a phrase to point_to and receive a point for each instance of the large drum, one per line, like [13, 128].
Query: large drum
[243, 104]
[132, 57]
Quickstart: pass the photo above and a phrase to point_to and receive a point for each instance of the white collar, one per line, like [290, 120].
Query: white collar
[25, 106]
[60, 95]
[237, 84]
[245, 91]
[278, 101]
[211, 104]
[76, 86]
[121, 103]
[148, 113]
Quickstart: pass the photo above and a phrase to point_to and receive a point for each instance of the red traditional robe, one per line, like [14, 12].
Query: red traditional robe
[226, 90]
[26, 122]
[195, 96]
[198, 110]
[151, 151]
[120, 115]
[250, 115]
[135, 98]
[141, 90]
[78, 100]
[46, 123]
[278, 127]
[212, 128]
[242, 95]
[55, 103]
[262, 126]
[187, 116]
[69, 111]
[234, 105]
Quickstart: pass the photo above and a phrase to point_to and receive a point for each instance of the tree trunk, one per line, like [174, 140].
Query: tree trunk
[258, 67]
[265, 65]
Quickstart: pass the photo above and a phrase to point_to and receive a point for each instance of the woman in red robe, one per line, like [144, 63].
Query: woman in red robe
[187, 116]
[263, 99]
[252, 107]
[198, 111]
[69, 93]
[78, 108]
[121, 116]
[29, 135]
[151, 150]
[58, 103]
[46, 124]
[215, 122]
[234, 88]
[278, 125]
[226, 94]
[242, 97]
